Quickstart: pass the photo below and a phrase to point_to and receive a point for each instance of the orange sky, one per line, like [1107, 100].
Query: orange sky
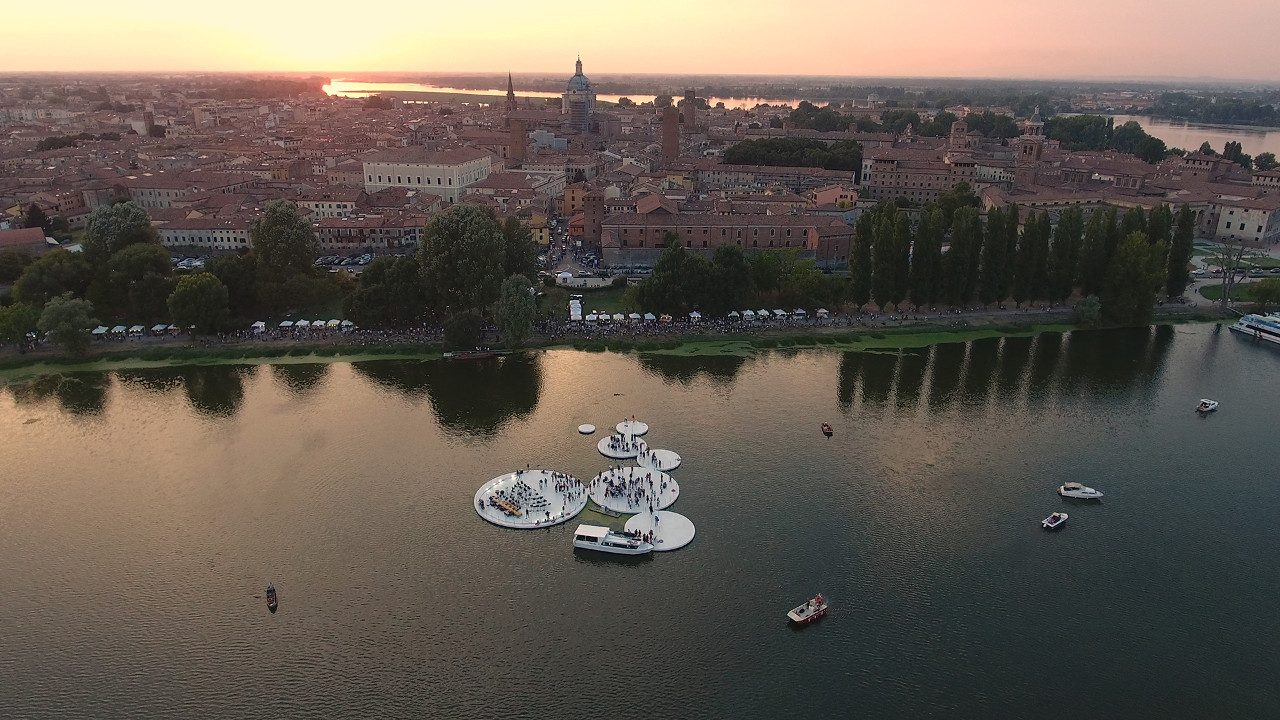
[1231, 39]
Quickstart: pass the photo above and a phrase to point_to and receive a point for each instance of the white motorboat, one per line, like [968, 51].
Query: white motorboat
[1260, 327]
[1078, 491]
[595, 537]
[1207, 406]
[808, 612]
[1054, 521]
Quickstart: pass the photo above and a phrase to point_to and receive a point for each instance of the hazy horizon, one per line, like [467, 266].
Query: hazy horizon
[1119, 40]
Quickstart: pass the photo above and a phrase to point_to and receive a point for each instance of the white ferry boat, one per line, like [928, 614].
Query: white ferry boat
[595, 537]
[1078, 491]
[1261, 327]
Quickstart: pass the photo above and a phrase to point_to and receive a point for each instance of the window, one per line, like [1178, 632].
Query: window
[1228, 226]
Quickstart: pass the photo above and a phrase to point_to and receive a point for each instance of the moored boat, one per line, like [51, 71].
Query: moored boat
[1206, 406]
[1078, 491]
[827, 429]
[476, 354]
[1054, 521]
[1259, 327]
[811, 610]
[272, 603]
[602, 539]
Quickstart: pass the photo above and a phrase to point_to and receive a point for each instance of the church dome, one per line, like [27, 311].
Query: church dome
[579, 82]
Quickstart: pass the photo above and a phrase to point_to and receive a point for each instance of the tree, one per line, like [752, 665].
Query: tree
[112, 228]
[1159, 224]
[957, 197]
[1265, 292]
[885, 255]
[1231, 256]
[521, 252]
[860, 261]
[463, 258]
[239, 274]
[54, 274]
[662, 101]
[732, 273]
[462, 330]
[12, 263]
[516, 310]
[1133, 276]
[283, 241]
[1030, 274]
[1093, 254]
[1234, 152]
[926, 258]
[1134, 220]
[140, 278]
[1179, 272]
[199, 301]
[961, 263]
[1265, 161]
[681, 281]
[66, 322]
[1064, 256]
[1207, 149]
[1089, 312]
[35, 217]
[16, 321]
[391, 293]
[995, 263]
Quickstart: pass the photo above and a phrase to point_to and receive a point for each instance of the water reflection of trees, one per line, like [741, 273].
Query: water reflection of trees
[1083, 362]
[215, 390]
[685, 369]
[300, 378]
[77, 393]
[467, 397]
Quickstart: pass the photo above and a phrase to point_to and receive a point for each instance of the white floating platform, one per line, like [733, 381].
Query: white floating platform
[586, 428]
[544, 498]
[619, 447]
[634, 428]
[664, 460]
[640, 488]
[671, 531]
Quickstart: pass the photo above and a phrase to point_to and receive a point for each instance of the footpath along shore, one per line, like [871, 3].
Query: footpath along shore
[843, 332]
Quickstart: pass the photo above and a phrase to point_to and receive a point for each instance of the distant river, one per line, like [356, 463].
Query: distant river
[1189, 136]
[357, 88]
[143, 512]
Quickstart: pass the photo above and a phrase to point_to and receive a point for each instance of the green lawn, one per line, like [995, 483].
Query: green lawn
[1242, 292]
[555, 301]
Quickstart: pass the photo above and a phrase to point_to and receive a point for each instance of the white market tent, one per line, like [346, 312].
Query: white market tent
[748, 314]
[695, 316]
[822, 312]
[763, 313]
[174, 328]
[593, 317]
[799, 312]
[118, 330]
[633, 316]
[161, 327]
[650, 317]
[333, 323]
[619, 317]
[734, 314]
[259, 326]
[100, 330]
[565, 276]
[302, 323]
[137, 330]
[286, 323]
[780, 313]
[347, 323]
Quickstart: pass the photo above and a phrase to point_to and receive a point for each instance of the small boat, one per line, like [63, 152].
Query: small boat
[1054, 521]
[808, 612]
[602, 539]
[271, 597]
[1207, 406]
[826, 429]
[1078, 491]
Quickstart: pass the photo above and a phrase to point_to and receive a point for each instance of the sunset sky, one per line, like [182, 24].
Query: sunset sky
[1229, 39]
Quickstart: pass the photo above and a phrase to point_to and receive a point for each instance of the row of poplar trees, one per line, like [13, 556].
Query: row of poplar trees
[1125, 260]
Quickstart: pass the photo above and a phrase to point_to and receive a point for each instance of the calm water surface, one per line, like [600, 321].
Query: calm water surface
[142, 513]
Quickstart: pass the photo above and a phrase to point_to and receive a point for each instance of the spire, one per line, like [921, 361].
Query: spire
[579, 66]
[510, 105]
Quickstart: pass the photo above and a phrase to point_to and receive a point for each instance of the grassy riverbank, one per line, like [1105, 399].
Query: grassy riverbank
[14, 367]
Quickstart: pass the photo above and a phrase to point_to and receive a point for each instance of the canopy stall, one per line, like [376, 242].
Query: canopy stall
[137, 330]
[695, 316]
[347, 324]
[159, 328]
[650, 317]
[286, 323]
[259, 326]
[664, 318]
[619, 317]
[763, 314]
[799, 312]
[633, 316]
[748, 314]
[734, 314]
[780, 312]
[822, 312]
[302, 323]
[100, 330]
[333, 323]
[118, 330]
[592, 317]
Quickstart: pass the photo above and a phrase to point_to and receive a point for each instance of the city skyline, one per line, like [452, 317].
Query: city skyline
[1125, 39]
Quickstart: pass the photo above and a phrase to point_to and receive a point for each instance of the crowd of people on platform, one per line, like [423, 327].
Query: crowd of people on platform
[531, 501]
[636, 486]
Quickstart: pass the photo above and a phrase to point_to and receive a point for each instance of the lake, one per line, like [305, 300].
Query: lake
[143, 512]
[1189, 136]
[360, 88]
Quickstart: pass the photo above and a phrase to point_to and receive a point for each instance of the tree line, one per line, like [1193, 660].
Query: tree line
[797, 152]
[896, 120]
[1098, 132]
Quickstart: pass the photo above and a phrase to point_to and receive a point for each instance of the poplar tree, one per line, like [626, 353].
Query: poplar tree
[961, 263]
[860, 260]
[926, 258]
[1093, 253]
[1064, 257]
[995, 259]
[1178, 273]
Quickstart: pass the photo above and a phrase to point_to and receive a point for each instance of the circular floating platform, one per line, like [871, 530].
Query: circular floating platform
[619, 447]
[641, 488]
[664, 460]
[586, 428]
[541, 497]
[671, 531]
[634, 428]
